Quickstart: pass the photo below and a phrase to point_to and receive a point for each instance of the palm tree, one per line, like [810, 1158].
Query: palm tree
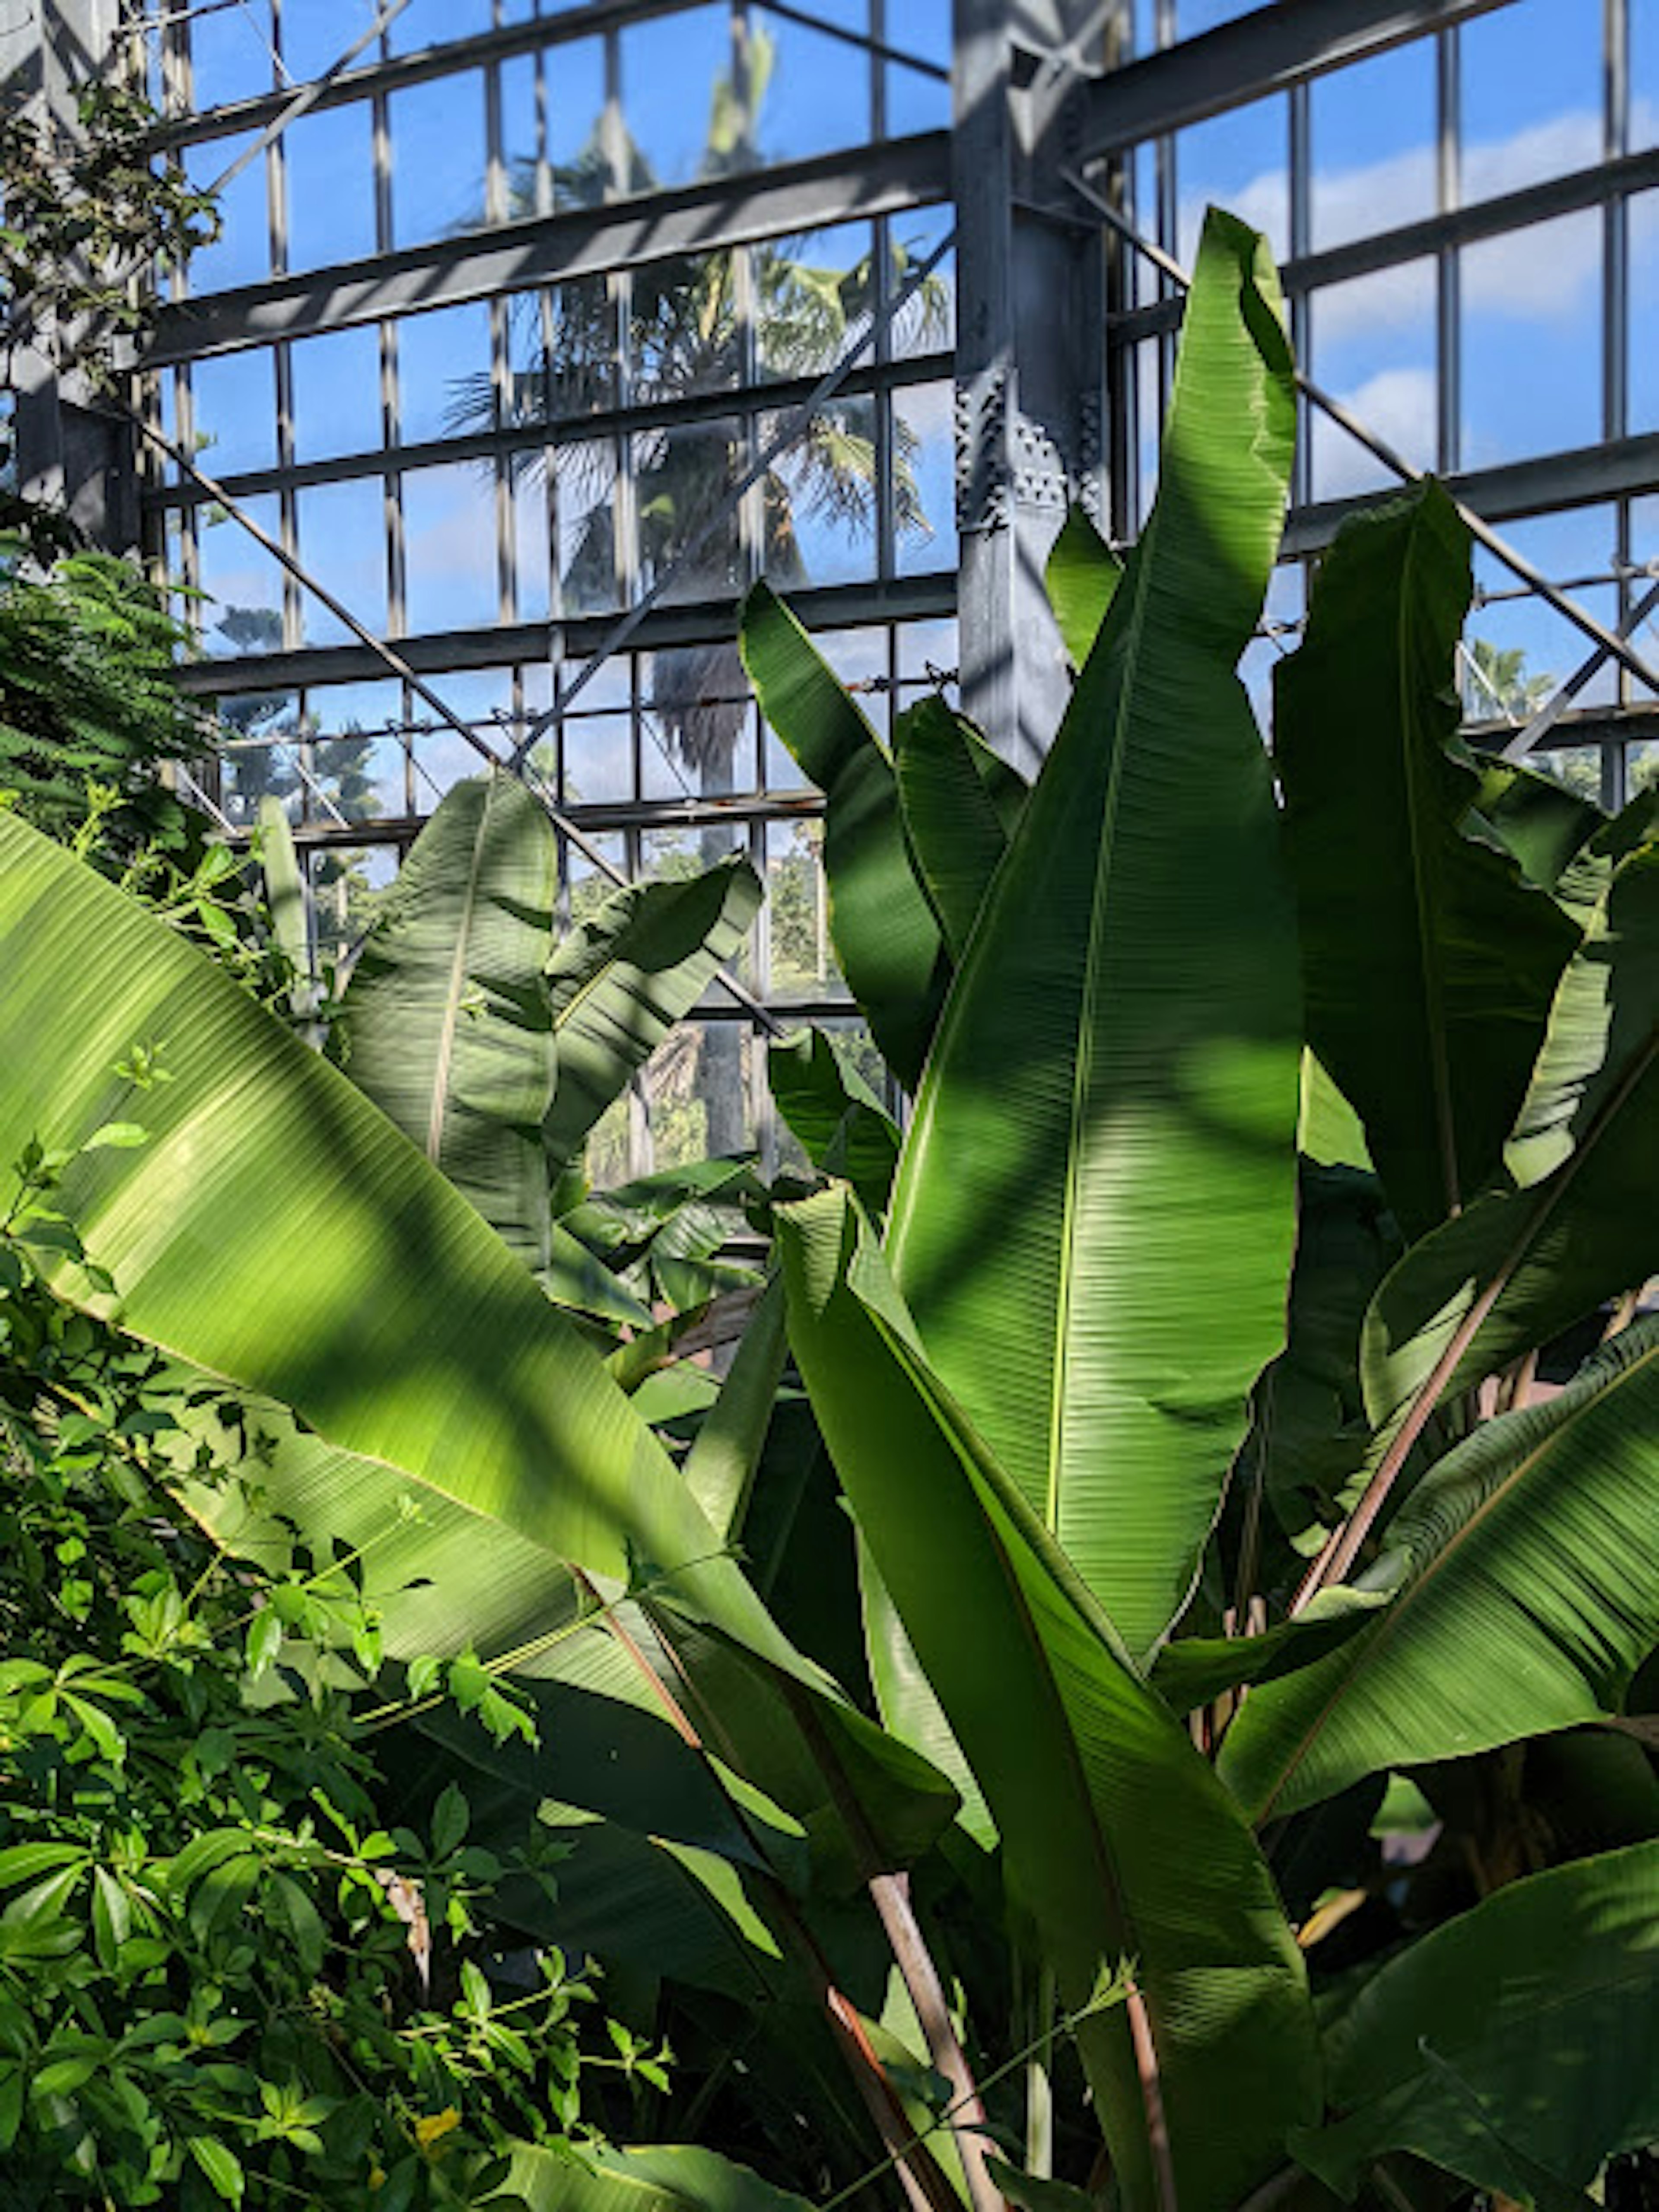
[699, 322]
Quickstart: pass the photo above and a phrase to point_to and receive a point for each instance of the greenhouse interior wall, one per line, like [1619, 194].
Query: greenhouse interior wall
[536, 332]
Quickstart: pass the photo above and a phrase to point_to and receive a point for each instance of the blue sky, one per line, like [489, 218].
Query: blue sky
[1531, 311]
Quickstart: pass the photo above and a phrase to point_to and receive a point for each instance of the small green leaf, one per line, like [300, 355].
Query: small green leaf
[449, 1821]
[221, 2166]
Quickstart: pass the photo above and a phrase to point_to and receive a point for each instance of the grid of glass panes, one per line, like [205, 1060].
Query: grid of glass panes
[551, 453]
[1523, 340]
[664, 767]
[491, 467]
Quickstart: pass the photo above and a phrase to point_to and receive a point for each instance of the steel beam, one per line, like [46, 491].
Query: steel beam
[1267, 50]
[846, 187]
[1030, 313]
[533, 36]
[564, 430]
[1626, 469]
[837, 607]
[1432, 234]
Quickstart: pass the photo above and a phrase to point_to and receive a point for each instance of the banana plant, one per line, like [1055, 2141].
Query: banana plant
[1126, 1397]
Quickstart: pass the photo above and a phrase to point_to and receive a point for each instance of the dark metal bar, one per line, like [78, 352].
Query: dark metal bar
[564, 430]
[907, 172]
[1267, 50]
[494, 45]
[1432, 234]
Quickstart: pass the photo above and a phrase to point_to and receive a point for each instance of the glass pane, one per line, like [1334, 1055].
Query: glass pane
[243, 612]
[356, 755]
[916, 101]
[1532, 93]
[241, 254]
[449, 548]
[598, 759]
[581, 171]
[1374, 349]
[337, 394]
[444, 384]
[697, 735]
[819, 96]
[1374, 131]
[531, 539]
[1523, 647]
[675, 69]
[483, 699]
[341, 529]
[1643, 78]
[262, 767]
[235, 405]
[807, 291]
[1644, 311]
[683, 324]
[346, 882]
[700, 1094]
[526, 162]
[330, 158]
[436, 23]
[230, 55]
[316, 33]
[437, 158]
[1237, 161]
[927, 320]
[860, 659]
[586, 491]
[797, 913]
[924, 479]
[820, 497]
[1193, 16]
[1532, 341]
[681, 478]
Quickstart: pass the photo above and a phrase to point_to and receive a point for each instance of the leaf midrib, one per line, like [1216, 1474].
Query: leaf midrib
[438, 1109]
[1399, 1608]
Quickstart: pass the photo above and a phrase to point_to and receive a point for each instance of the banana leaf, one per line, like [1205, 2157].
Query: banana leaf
[654, 2178]
[961, 804]
[620, 980]
[445, 1025]
[1538, 820]
[1093, 1217]
[285, 894]
[1118, 1842]
[886, 936]
[839, 1123]
[278, 1231]
[1583, 1226]
[1525, 1578]
[1082, 574]
[1428, 960]
[1513, 2046]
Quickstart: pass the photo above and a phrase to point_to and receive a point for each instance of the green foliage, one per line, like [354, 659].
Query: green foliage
[233, 1967]
[88, 709]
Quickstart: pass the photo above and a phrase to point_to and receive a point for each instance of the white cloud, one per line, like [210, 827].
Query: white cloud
[1399, 404]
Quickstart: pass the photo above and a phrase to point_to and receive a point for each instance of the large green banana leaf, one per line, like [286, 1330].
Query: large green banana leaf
[885, 935]
[621, 979]
[831, 1111]
[277, 1231]
[1428, 960]
[656, 2178]
[1583, 1225]
[1093, 1217]
[446, 1026]
[1082, 574]
[1525, 1570]
[1538, 820]
[960, 803]
[1117, 1839]
[1513, 2044]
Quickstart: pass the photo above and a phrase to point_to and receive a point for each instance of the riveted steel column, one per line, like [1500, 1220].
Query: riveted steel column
[1029, 355]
